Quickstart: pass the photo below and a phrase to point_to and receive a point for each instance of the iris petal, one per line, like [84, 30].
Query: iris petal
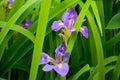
[84, 31]
[66, 56]
[68, 15]
[60, 49]
[47, 67]
[26, 23]
[57, 25]
[11, 1]
[61, 68]
[44, 58]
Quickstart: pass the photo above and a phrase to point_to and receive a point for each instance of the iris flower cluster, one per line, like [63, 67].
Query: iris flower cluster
[58, 64]
[67, 22]
[61, 56]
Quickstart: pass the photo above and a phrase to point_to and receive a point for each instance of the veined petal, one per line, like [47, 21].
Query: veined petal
[61, 69]
[44, 58]
[68, 15]
[47, 67]
[60, 49]
[84, 31]
[57, 25]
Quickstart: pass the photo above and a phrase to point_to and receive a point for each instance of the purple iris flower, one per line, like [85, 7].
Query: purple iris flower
[84, 31]
[26, 23]
[59, 64]
[68, 19]
[11, 1]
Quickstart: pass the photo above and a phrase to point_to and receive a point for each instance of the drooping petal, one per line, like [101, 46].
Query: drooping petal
[11, 1]
[57, 25]
[68, 15]
[26, 23]
[84, 31]
[61, 68]
[60, 49]
[47, 67]
[44, 58]
[66, 56]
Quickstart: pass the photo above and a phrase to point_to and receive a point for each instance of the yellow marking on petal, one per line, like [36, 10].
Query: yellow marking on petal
[60, 65]
[61, 24]
[81, 28]
[26, 24]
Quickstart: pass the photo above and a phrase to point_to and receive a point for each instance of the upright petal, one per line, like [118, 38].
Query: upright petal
[44, 58]
[84, 31]
[68, 15]
[57, 25]
[47, 67]
[60, 49]
[61, 69]
[26, 23]
[66, 56]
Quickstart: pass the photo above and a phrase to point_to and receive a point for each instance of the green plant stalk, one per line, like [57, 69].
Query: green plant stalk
[40, 35]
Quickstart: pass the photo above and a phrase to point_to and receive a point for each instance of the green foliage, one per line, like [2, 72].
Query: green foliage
[114, 22]
[95, 58]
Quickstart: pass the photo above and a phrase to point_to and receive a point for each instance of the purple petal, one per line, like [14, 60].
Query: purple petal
[57, 25]
[44, 58]
[60, 49]
[47, 67]
[84, 31]
[68, 15]
[26, 23]
[11, 1]
[66, 56]
[61, 69]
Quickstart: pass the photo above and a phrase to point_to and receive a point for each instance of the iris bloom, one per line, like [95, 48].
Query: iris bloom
[11, 1]
[58, 64]
[26, 23]
[84, 31]
[68, 19]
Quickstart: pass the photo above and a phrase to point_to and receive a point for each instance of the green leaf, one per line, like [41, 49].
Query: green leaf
[13, 19]
[114, 40]
[21, 30]
[114, 23]
[77, 25]
[40, 35]
[80, 72]
[107, 61]
[98, 44]
[17, 4]
[116, 72]
[96, 13]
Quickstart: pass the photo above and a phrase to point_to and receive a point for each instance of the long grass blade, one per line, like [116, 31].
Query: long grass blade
[40, 35]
